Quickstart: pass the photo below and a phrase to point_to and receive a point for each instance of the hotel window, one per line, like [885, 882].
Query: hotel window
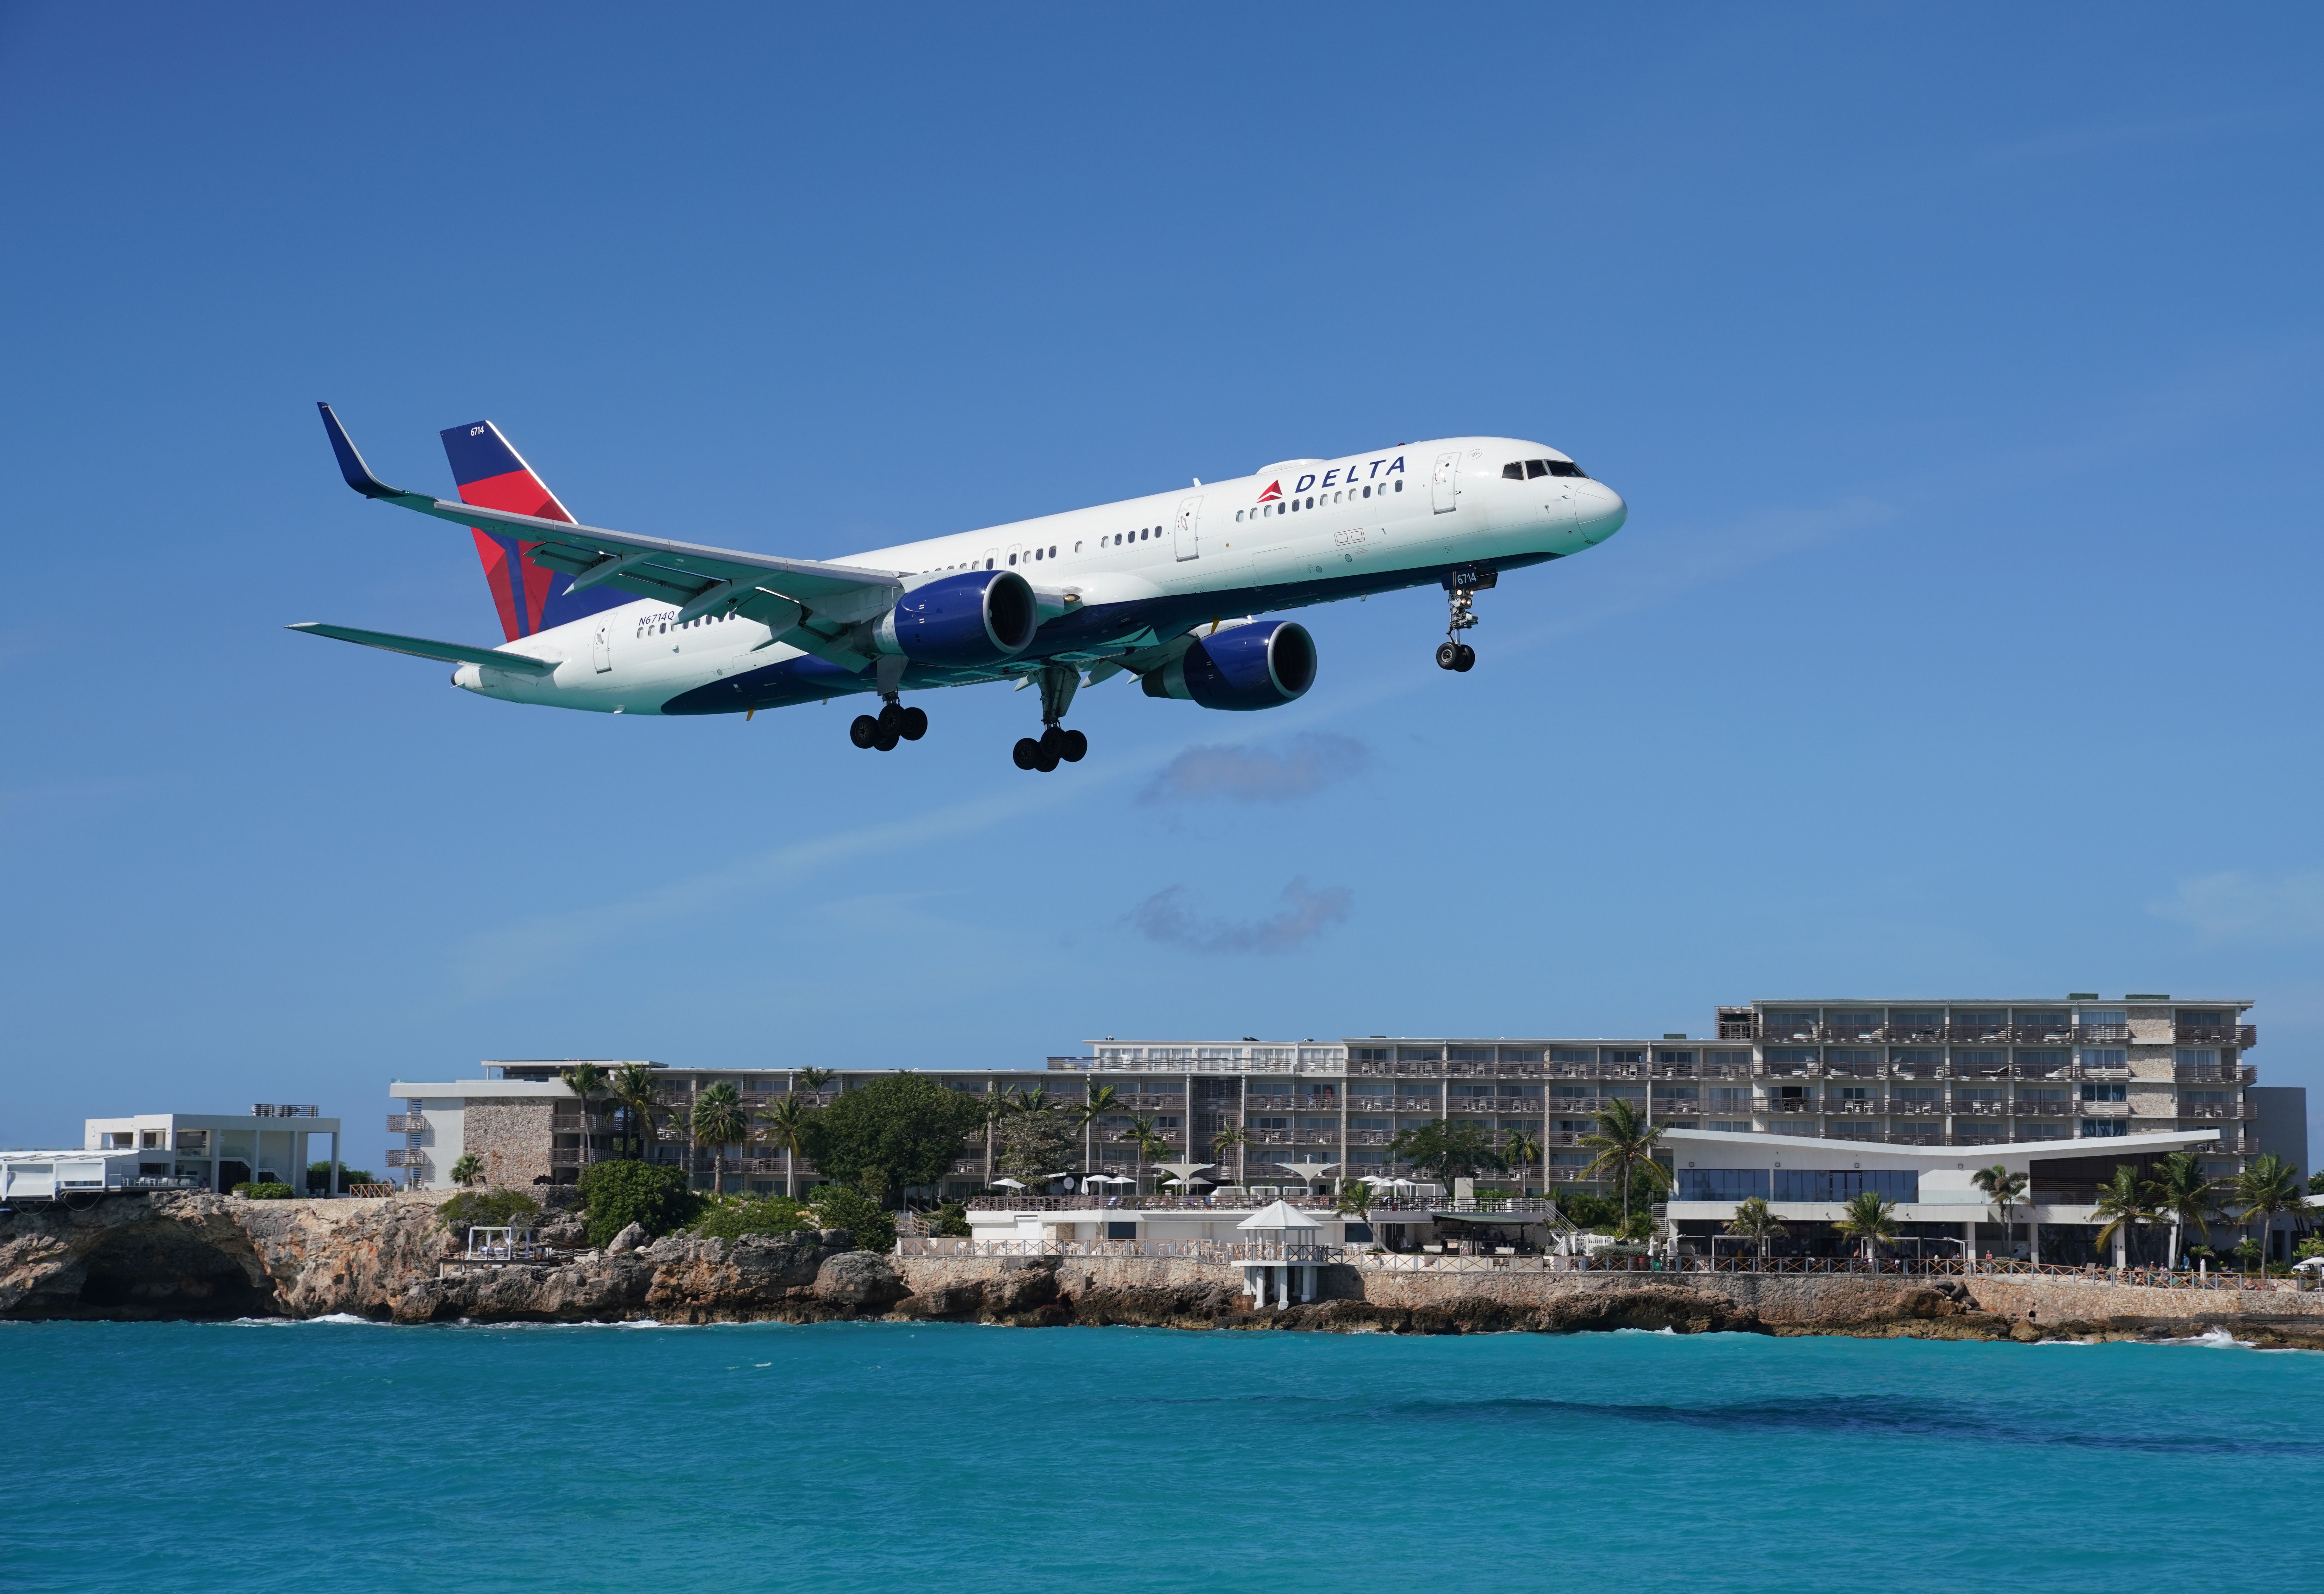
[1574, 1053]
[2198, 1057]
[1741, 1127]
[2102, 1128]
[2105, 1057]
[2104, 1089]
[1840, 1184]
[1722, 1183]
[1472, 1054]
[1520, 1053]
[1617, 1054]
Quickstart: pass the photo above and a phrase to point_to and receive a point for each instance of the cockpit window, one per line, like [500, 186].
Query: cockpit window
[1525, 470]
[1565, 467]
[1536, 468]
[1515, 470]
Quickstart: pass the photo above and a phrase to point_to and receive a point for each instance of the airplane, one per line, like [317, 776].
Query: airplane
[1166, 587]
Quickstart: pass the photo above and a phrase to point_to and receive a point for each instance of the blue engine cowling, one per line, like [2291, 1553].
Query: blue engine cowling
[1250, 667]
[978, 617]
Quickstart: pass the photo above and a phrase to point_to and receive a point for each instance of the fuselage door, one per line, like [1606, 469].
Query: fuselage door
[1189, 528]
[603, 651]
[1447, 484]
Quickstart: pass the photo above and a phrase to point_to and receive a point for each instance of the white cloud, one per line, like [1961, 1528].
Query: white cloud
[1307, 914]
[2239, 907]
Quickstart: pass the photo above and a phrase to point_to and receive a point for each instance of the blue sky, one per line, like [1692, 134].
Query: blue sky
[1959, 367]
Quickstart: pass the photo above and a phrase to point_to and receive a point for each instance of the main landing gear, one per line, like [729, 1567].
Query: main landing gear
[894, 722]
[1055, 744]
[1452, 653]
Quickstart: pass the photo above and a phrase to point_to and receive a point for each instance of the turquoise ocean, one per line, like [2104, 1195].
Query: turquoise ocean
[342, 1455]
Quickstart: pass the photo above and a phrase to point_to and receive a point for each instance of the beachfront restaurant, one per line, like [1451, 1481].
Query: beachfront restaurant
[1941, 1211]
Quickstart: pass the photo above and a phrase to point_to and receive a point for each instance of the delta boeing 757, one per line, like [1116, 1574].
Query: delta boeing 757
[1164, 588]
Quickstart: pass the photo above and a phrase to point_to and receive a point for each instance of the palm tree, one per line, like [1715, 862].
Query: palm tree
[1097, 1100]
[2002, 1188]
[1449, 1150]
[1754, 1221]
[1871, 1218]
[811, 1080]
[468, 1169]
[1355, 1200]
[639, 1096]
[2265, 1191]
[1035, 1100]
[586, 1081]
[718, 1117]
[786, 1126]
[1624, 1144]
[2182, 1193]
[1141, 1134]
[1522, 1150]
[2122, 1202]
[1234, 1139]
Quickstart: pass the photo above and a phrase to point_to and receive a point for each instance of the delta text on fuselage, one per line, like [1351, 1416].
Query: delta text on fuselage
[1169, 588]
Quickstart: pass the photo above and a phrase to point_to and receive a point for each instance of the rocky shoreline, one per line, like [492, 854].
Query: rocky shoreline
[197, 1257]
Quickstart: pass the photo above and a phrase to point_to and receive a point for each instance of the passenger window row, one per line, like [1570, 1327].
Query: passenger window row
[1288, 505]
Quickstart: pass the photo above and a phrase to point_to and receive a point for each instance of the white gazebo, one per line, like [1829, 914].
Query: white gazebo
[1272, 1232]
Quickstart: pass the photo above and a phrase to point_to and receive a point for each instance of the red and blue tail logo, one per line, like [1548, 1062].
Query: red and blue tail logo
[491, 475]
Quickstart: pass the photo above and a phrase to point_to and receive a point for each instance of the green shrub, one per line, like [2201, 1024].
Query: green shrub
[319, 1178]
[905, 1125]
[842, 1206]
[950, 1220]
[773, 1214]
[654, 1195]
[270, 1190]
[486, 1209]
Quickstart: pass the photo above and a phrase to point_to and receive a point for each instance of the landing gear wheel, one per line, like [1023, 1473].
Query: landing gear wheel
[864, 732]
[1465, 658]
[912, 724]
[1448, 655]
[887, 739]
[890, 713]
[1045, 756]
[1073, 746]
[1027, 754]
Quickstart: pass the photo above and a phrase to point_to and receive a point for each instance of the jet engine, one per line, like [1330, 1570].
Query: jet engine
[978, 617]
[1263, 665]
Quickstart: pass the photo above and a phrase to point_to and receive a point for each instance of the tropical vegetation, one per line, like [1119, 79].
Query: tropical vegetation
[1033, 1145]
[486, 1209]
[633, 1089]
[263, 1190]
[1622, 1148]
[2004, 1189]
[1754, 1221]
[842, 1206]
[467, 1169]
[733, 1219]
[653, 1196]
[906, 1125]
[1230, 1143]
[319, 1178]
[718, 1119]
[2264, 1192]
[586, 1081]
[1868, 1217]
[2125, 1203]
[784, 1124]
[2180, 1191]
[1447, 1150]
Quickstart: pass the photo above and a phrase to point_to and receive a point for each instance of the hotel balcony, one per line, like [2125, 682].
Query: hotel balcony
[397, 1157]
[2215, 1074]
[407, 1123]
[2216, 1109]
[1802, 1104]
[1917, 1109]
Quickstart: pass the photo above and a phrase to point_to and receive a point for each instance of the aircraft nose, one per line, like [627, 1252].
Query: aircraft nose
[1598, 511]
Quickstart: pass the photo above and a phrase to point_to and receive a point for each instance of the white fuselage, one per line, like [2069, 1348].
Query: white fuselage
[1125, 576]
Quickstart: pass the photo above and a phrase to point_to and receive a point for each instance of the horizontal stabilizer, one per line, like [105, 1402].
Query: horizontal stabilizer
[421, 648]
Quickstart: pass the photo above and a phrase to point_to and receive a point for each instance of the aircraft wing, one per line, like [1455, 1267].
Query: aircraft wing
[804, 602]
[421, 648]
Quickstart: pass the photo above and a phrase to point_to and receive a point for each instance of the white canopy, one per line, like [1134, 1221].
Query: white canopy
[1109, 1179]
[1012, 1184]
[1309, 1170]
[1281, 1215]
[1185, 1170]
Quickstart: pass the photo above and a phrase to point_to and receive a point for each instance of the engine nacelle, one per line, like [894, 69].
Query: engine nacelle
[1261, 666]
[978, 617]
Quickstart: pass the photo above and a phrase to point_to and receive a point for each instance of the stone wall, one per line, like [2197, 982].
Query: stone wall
[512, 1137]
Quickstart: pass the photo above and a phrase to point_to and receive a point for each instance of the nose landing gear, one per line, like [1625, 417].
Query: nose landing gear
[1055, 744]
[1452, 653]
[893, 723]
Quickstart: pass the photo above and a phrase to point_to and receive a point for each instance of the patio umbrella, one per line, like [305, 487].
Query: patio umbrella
[1309, 1170]
[1011, 1184]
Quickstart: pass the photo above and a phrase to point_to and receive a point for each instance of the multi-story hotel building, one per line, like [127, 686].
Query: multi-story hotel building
[1917, 1074]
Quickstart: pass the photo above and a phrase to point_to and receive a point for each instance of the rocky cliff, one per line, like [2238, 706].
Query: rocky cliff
[206, 1255]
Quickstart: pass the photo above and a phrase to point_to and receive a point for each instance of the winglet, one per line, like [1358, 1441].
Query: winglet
[351, 463]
